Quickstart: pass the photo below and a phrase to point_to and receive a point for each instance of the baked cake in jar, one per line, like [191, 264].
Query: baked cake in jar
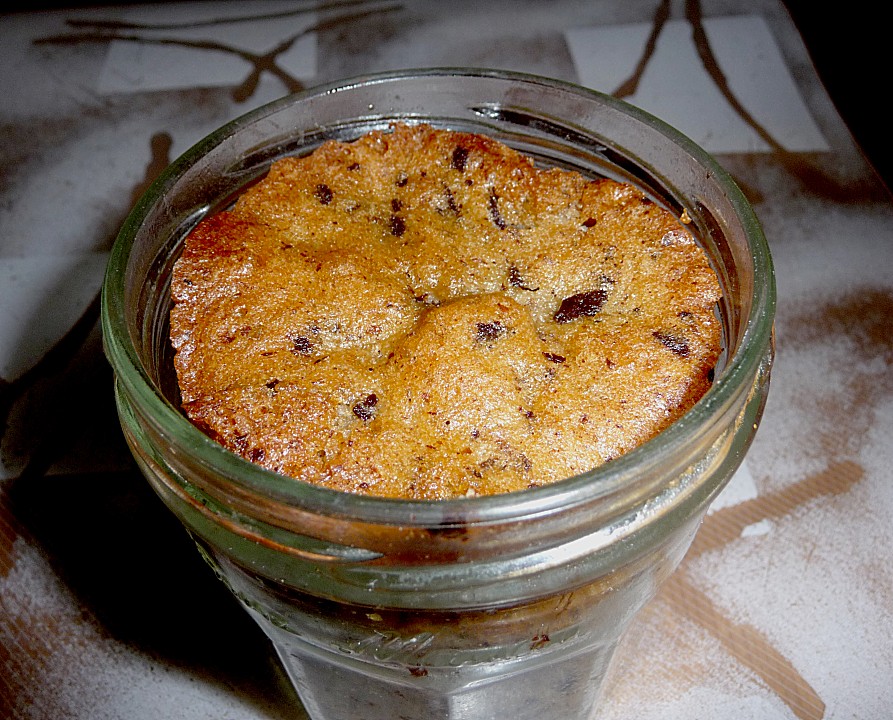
[427, 314]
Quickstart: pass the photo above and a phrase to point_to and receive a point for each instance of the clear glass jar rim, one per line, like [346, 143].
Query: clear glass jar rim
[742, 366]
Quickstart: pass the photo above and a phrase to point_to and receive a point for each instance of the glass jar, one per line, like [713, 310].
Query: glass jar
[497, 606]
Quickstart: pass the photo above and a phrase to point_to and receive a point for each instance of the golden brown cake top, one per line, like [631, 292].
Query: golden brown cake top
[425, 314]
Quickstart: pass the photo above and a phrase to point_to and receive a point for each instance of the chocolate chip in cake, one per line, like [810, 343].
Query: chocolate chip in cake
[515, 280]
[397, 225]
[674, 343]
[584, 304]
[493, 209]
[489, 331]
[452, 205]
[365, 409]
[459, 158]
[323, 193]
[301, 345]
